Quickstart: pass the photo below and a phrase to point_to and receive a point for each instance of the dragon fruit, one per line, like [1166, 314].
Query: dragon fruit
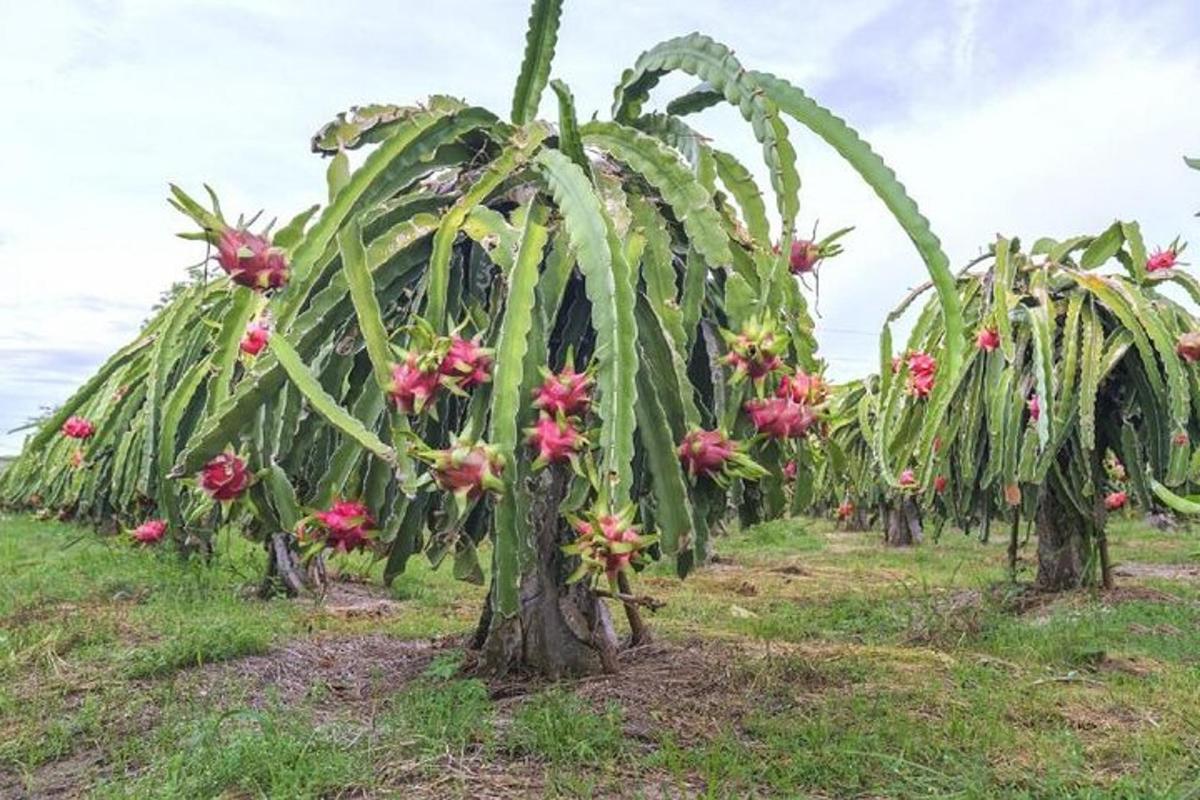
[567, 393]
[987, 340]
[255, 339]
[804, 257]
[712, 454]
[466, 364]
[76, 459]
[467, 470]
[1187, 346]
[346, 526]
[150, 531]
[78, 428]
[790, 469]
[606, 542]
[921, 370]
[250, 260]
[940, 483]
[225, 477]
[1161, 259]
[556, 439]
[753, 353]
[780, 417]
[908, 479]
[803, 387]
[845, 511]
[1115, 500]
[415, 383]
[1035, 408]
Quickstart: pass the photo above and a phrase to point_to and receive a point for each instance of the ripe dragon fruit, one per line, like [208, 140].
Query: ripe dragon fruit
[1187, 346]
[415, 383]
[150, 531]
[225, 477]
[987, 340]
[780, 417]
[845, 511]
[1180, 439]
[790, 469]
[255, 339]
[1161, 259]
[804, 257]
[250, 260]
[940, 483]
[347, 526]
[566, 393]
[1115, 500]
[907, 479]
[803, 388]
[712, 454]
[467, 470]
[78, 428]
[607, 543]
[921, 370]
[466, 364]
[555, 439]
[753, 353]
[1035, 408]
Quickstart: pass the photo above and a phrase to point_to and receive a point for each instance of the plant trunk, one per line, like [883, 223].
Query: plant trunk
[1062, 544]
[286, 574]
[559, 630]
[903, 524]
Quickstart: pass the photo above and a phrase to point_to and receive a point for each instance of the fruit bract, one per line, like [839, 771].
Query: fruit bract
[225, 477]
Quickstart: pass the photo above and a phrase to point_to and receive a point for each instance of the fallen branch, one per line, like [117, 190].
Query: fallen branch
[632, 600]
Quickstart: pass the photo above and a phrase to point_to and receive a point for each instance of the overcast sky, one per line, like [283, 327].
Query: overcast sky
[1023, 117]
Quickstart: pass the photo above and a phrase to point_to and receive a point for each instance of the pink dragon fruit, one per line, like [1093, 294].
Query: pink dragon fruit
[1187, 346]
[987, 340]
[346, 526]
[940, 483]
[705, 452]
[845, 511]
[556, 439]
[415, 383]
[466, 364]
[780, 417]
[150, 531]
[908, 479]
[250, 260]
[790, 470]
[921, 370]
[78, 428]
[803, 388]
[1115, 500]
[753, 353]
[467, 470]
[804, 257]
[1035, 408]
[255, 339]
[225, 477]
[606, 542]
[1161, 259]
[567, 393]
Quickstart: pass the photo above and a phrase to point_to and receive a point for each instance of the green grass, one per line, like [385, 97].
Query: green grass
[835, 668]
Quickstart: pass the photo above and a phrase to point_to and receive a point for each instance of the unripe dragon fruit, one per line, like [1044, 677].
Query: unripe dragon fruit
[78, 428]
[987, 340]
[255, 338]
[567, 393]
[225, 477]
[908, 479]
[415, 383]
[845, 511]
[1035, 408]
[250, 260]
[1162, 259]
[150, 531]
[803, 388]
[1115, 500]
[76, 459]
[346, 526]
[921, 370]
[780, 417]
[467, 470]
[466, 364]
[1187, 346]
[555, 439]
[753, 353]
[940, 483]
[712, 454]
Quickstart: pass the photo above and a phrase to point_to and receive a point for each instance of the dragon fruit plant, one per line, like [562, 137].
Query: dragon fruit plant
[412, 319]
[1081, 360]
